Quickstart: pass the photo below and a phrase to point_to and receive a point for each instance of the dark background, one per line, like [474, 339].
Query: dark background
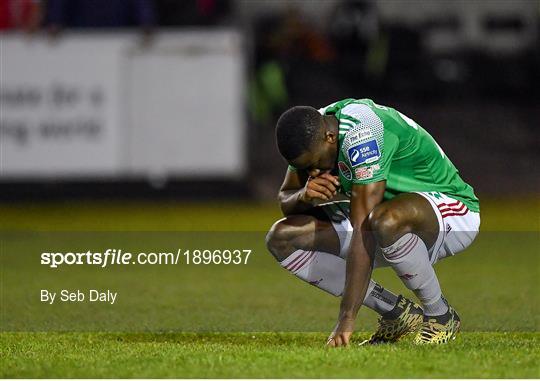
[467, 71]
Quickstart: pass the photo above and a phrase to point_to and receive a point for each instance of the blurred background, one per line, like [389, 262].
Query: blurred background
[178, 99]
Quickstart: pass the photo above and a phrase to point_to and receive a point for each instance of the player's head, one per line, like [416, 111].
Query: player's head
[306, 140]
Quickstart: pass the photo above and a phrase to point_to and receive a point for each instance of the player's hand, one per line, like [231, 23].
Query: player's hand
[342, 333]
[323, 187]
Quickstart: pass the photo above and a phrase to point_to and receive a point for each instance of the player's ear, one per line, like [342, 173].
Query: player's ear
[330, 137]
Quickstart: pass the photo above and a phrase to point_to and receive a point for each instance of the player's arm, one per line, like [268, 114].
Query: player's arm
[300, 192]
[359, 260]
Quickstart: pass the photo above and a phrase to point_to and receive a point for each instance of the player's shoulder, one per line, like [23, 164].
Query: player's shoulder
[358, 119]
[374, 117]
[335, 107]
[365, 112]
[347, 106]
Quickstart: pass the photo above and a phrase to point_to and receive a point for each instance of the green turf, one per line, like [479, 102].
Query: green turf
[262, 355]
[493, 285]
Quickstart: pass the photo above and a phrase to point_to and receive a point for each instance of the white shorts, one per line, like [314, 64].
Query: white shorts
[458, 226]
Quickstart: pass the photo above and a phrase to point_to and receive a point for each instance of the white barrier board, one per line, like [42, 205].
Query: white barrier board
[103, 105]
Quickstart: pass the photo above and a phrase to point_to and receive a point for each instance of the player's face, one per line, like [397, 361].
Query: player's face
[319, 159]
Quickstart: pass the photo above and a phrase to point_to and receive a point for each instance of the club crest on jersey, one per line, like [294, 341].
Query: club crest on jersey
[364, 153]
[344, 170]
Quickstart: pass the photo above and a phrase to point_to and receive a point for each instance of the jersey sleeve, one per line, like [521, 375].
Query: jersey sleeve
[364, 148]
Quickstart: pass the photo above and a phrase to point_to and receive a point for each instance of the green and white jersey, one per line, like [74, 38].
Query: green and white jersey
[380, 143]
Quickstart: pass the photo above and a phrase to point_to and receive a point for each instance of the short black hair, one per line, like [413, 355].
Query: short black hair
[296, 131]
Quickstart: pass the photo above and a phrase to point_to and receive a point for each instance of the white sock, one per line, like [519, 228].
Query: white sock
[327, 272]
[439, 307]
[409, 258]
[379, 299]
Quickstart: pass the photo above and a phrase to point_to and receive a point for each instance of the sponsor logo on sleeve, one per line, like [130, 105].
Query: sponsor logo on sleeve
[344, 170]
[364, 153]
[366, 173]
[360, 135]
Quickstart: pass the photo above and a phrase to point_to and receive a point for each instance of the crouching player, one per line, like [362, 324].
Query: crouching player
[405, 206]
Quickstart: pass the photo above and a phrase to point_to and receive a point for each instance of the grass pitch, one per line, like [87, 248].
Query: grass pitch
[288, 355]
[493, 285]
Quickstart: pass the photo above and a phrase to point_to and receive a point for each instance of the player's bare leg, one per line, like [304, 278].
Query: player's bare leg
[404, 228]
[309, 247]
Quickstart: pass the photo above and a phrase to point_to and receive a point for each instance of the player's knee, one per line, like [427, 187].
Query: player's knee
[285, 236]
[387, 223]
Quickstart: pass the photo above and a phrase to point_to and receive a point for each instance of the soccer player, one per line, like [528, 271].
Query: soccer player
[405, 206]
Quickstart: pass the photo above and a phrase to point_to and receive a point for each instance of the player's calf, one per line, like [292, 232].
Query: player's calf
[308, 248]
[402, 227]
[293, 241]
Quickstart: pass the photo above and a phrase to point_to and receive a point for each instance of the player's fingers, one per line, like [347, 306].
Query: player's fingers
[330, 342]
[329, 185]
[321, 189]
[326, 180]
[332, 179]
[329, 177]
[323, 183]
[315, 194]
